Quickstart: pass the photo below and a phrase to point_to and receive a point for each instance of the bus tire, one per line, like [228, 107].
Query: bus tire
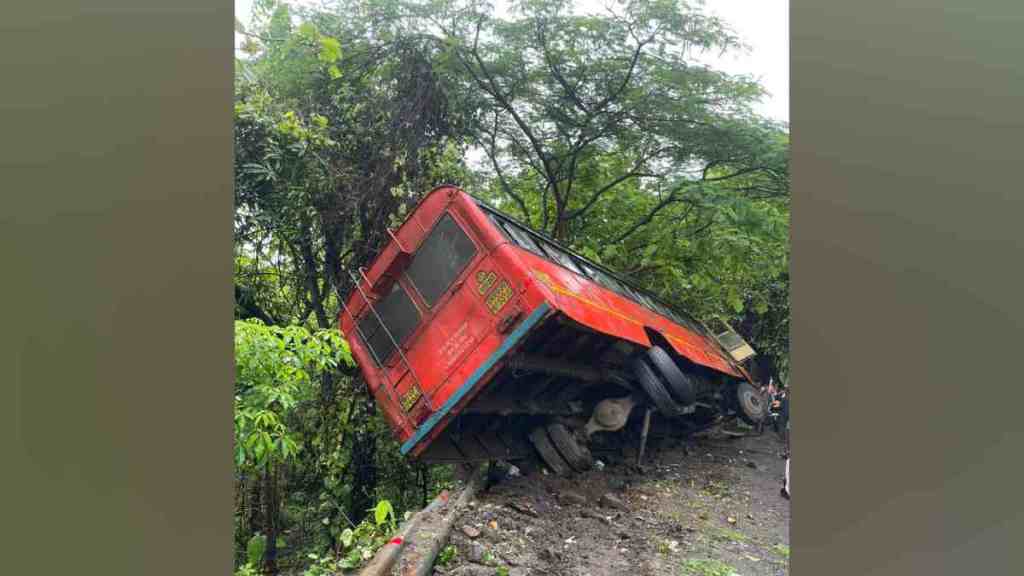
[681, 386]
[654, 389]
[527, 466]
[577, 456]
[752, 406]
[548, 454]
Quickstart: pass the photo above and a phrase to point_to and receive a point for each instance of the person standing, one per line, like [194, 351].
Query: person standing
[785, 487]
[784, 416]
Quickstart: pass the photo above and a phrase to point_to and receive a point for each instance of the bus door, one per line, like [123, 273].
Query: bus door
[463, 293]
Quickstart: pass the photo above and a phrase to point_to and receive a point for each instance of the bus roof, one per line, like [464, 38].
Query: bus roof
[691, 322]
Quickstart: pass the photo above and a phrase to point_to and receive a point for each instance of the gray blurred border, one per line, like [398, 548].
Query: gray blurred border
[907, 263]
[115, 231]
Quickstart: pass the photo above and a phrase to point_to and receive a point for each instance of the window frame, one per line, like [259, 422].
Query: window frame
[445, 293]
[378, 318]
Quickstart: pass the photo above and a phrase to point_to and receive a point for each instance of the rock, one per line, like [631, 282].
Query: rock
[751, 464]
[476, 553]
[730, 520]
[618, 484]
[523, 508]
[609, 500]
[471, 532]
[550, 555]
[598, 465]
[568, 497]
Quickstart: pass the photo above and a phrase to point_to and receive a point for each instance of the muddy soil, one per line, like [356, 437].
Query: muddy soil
[705, 506]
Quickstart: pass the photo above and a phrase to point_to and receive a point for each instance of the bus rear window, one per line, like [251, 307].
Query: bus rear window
[399, 315]
[440, 259]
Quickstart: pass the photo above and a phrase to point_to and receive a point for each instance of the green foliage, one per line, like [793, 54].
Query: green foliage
[706, 567]
[257, 546]
[447, 555]
[384, 514]
[246, 570]
[358, 545]
[321, 566]
[273, 371]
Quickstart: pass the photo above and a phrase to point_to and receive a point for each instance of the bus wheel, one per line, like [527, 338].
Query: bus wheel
[577, 456]
[752, 405]
[654, 389]
[681, 386]
[550, 456]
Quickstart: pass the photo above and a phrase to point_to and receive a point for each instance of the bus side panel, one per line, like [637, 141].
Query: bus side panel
[581, 300]
[589, 304]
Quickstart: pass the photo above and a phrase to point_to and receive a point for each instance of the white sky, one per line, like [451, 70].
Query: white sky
[763, 25]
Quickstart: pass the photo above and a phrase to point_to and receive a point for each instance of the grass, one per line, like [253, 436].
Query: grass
[709, 567]
[781, 550]
[447, 555]
[731, 535]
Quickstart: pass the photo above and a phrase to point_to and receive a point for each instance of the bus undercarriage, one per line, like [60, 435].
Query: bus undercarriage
[569, 387]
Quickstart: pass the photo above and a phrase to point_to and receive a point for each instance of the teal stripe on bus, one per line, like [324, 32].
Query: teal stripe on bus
[475, 377]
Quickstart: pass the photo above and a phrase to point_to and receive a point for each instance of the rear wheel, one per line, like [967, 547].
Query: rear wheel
[753, 407]
[681, 386]
[655, 390]
[577, 456]
[547, 451]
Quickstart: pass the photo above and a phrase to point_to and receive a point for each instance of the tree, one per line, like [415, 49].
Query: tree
[340, 126]
[578, 107]
[274, 369]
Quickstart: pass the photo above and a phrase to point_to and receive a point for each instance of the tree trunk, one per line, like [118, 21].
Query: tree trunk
[363, 463]
[255, 511]
[271, 501]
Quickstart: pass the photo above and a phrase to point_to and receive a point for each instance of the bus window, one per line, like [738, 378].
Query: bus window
[399, 315]
[560, 257]
[440, 259]
[522, 238]
[604, 279]
[647, 301]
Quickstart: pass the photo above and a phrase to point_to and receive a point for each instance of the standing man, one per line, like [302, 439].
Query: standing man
[784, 416]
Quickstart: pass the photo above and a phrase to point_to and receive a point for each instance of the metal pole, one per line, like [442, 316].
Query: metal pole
[643, 435]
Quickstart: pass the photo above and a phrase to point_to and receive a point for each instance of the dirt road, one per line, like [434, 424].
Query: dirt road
[706, 506]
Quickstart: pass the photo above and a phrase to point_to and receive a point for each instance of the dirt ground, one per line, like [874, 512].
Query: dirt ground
[705, 506]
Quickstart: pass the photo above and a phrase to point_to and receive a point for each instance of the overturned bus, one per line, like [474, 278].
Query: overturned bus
[484, 340]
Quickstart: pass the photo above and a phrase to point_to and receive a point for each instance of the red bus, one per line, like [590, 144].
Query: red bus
[484, 340]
